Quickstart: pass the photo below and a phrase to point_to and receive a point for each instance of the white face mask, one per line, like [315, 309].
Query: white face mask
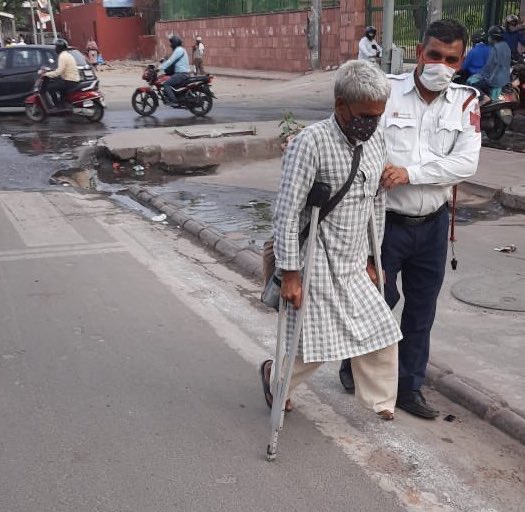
[436, 77]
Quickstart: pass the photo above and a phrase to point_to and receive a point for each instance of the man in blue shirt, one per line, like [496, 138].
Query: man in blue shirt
[478, 55]
[181, 68]
[496, 72]
[513, 34]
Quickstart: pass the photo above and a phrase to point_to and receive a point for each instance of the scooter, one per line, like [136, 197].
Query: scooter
[194, 94]
[85, 100]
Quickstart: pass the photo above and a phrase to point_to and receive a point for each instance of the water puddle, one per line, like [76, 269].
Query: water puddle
[485, 211]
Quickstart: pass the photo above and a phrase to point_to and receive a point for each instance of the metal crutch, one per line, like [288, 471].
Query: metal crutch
[284, 359]
[376, 251]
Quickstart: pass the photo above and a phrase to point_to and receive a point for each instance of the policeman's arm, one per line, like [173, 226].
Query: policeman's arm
[461, 162]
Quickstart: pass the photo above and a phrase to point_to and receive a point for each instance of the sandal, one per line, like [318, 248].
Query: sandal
[266, 388]
[386, 415]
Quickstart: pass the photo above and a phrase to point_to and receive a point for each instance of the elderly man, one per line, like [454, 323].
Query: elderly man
[345, 314]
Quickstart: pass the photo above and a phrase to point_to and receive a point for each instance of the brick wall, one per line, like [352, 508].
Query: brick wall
[274, 41]
[117, 38]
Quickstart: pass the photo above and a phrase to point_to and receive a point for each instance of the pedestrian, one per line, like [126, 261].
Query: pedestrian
[369, 48]
[178, 66]
[346, 316]
[496, 72]
[198, 56]
[432, 134]
[92, 53]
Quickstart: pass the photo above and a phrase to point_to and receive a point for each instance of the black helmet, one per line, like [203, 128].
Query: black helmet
[175, 41]
[371, 30]
[496, 33]
[479, 36]
[60, 45]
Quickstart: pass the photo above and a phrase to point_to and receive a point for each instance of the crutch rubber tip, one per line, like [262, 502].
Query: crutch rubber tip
[269, 455]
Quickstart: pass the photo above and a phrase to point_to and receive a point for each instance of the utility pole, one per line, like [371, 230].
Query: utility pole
[314, 34]
[52, 16]
[388, 35]
[434, 10]
[35, 35]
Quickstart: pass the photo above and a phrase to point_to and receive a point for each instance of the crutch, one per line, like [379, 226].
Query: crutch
[376, 252]
[284, 359]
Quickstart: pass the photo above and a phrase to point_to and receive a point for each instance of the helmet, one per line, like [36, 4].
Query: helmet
[480, 36]
[370, 30]
[511, 19]
[175, 41]
[60, 45]
[496, 33]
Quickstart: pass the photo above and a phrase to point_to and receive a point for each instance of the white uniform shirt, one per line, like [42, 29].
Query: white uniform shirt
[366, 52]
[438, 143]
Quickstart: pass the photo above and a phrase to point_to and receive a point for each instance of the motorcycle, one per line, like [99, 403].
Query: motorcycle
[85, 100]
[194, 94]
[496, 114]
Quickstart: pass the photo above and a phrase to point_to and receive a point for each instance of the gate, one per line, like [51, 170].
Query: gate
[410, 18]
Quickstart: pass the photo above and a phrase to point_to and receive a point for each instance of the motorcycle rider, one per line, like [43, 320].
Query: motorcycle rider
[477, 56]
[64, 78]
[180, 64]
[369, 48]
[514, 34]
[496, 72]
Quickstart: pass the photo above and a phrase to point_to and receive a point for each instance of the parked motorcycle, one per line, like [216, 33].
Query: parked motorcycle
[85, 100]
[194, 95]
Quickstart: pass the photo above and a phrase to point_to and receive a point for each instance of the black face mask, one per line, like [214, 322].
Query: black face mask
[361, 128]
[370, 36]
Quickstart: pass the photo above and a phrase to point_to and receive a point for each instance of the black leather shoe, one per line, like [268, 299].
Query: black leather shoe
[346, 377]
[414, 402]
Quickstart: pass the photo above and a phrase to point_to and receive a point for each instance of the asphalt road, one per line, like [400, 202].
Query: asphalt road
[128, 383]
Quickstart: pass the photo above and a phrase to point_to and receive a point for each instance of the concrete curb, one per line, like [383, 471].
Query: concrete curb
[510, 197]
[466, 392]
[474, 397]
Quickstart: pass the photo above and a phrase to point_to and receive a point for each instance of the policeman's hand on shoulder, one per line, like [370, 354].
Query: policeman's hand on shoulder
[394, 176]
[291, 288]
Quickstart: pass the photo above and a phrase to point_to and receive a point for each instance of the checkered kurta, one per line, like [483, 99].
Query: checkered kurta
[345, 314]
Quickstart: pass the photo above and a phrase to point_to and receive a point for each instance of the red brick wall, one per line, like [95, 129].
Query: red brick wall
[274, 41]
[117, 38]
[147, 46]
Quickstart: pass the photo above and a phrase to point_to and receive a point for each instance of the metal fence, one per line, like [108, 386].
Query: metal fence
[188, 9]
[410, 17]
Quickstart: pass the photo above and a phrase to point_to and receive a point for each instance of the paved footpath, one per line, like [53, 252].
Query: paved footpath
[477, 349]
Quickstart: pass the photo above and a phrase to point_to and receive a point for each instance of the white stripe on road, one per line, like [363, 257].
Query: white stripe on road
[37, 221]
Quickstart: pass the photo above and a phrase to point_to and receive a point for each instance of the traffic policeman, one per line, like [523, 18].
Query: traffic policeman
[432, 133]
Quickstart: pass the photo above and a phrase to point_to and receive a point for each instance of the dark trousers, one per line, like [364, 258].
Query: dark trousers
[176, 80]
[419, 252]
[58, 87]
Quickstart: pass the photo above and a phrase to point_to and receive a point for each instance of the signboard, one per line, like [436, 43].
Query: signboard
[117, 4]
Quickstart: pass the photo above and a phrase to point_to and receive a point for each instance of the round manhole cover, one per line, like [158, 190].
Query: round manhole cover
[506, 292]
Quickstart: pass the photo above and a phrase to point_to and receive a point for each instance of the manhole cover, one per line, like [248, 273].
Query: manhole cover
[505, 292]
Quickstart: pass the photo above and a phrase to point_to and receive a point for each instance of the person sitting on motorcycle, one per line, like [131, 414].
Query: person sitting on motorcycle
[369, 48]
[64, 78]
[477, 56]
[180, 64]
[514, 34]
[496, 72]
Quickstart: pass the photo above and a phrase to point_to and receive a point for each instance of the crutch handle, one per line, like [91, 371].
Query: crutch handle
[319, 195]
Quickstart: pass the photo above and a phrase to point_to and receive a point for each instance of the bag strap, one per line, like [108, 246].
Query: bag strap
[336, 198]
